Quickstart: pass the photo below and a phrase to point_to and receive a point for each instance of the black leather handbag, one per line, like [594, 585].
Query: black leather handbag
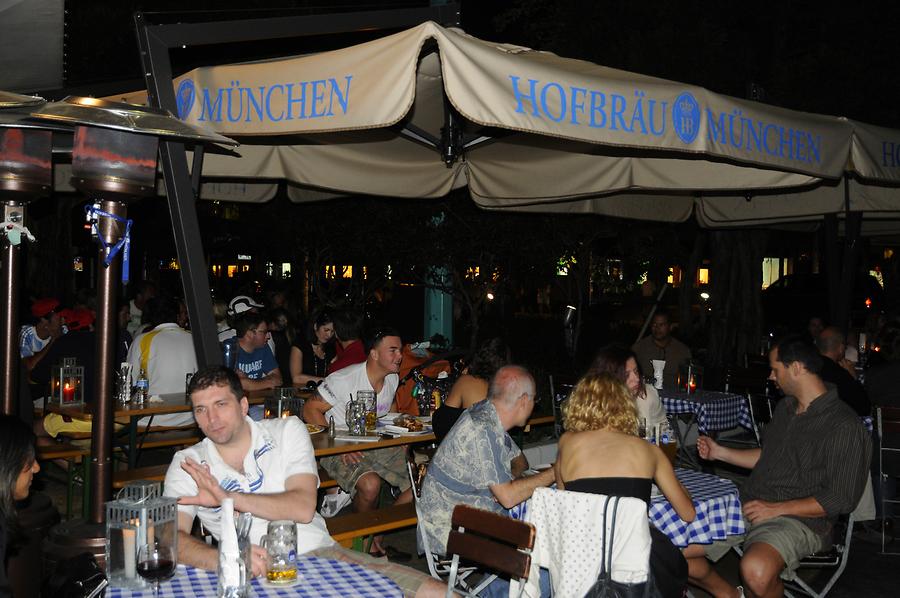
[605, 587]
[77, 577]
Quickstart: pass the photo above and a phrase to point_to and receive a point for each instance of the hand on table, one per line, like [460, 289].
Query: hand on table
[209, 493]
[707, 448]
[259, 560]
[351, 458]
[757, 511]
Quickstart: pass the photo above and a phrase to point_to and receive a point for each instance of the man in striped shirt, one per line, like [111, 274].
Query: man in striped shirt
[811, 468]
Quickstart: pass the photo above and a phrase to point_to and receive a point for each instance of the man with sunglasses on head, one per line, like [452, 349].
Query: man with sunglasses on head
[256, 366]
[361, 473]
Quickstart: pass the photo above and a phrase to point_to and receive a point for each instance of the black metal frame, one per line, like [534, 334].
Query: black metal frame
[155, 42]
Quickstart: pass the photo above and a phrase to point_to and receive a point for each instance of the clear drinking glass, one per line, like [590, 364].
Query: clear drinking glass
[155, 562]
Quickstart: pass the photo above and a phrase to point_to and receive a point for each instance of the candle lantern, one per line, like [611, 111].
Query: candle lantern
[283, 403]
[139, 515]
[690, 378]
[67, 383]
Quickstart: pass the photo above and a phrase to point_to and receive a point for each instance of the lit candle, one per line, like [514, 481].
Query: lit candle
[128, 540]
[693, 384]
[68, 393]
[286, 413]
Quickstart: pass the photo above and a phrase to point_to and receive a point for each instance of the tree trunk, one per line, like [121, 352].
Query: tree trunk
[686, 292]
[736, 318]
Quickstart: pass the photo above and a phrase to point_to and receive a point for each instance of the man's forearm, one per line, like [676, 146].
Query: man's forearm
[196, 553]
[266, 383]
[512, 493]
[746, 458]
[294, 505]
[802, 507]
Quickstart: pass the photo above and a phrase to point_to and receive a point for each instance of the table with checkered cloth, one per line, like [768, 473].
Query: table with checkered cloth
[712, 410]
[718, 507]
[317, 577]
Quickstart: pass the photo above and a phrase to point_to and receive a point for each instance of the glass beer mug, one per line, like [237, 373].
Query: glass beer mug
[280, 544]
[356, 418]
[368, 398]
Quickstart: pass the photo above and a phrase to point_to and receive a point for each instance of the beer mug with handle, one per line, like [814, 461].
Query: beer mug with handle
[280, 544]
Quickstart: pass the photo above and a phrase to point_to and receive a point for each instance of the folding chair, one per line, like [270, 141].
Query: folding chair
[888, 422]
[760, 407]
[494, 541]
[835, 558]
[558, 395]
[438, 567]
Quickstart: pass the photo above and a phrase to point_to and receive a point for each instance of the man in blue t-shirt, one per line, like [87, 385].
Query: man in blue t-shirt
[256, 365]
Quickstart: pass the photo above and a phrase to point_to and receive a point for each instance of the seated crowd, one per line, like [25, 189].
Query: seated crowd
[812, 465]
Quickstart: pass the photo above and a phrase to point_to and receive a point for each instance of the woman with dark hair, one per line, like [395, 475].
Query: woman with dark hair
[600, 420]
[622, 364]
[17, 468]
[471, 387]
[312, 352]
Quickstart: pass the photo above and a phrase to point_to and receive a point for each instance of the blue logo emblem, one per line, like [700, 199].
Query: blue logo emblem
[686, 117]
[184, 98]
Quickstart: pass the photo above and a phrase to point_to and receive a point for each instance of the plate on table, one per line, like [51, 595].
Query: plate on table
[314, 428]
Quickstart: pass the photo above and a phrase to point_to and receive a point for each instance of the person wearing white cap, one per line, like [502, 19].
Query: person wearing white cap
[240, 304]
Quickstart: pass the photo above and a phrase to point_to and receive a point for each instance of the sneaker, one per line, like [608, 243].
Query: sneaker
[333, 503]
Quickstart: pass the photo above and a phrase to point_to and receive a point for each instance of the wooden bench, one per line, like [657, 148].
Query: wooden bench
[75, 456]
[157, 473]
[347, 528]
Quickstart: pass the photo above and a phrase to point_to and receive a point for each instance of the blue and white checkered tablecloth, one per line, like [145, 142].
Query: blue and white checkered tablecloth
[316, 577]
[713, 410]
[718, 507]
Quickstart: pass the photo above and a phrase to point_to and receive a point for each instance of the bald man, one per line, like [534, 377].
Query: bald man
[478, 464]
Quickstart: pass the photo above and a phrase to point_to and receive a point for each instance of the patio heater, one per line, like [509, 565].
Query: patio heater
[25, 174]
[114, 161]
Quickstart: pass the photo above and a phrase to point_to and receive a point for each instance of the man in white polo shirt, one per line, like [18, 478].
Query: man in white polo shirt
[269, 469]
[361, 473]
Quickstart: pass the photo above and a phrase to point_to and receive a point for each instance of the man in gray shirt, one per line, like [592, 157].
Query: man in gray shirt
[662, 345]
[812, 467]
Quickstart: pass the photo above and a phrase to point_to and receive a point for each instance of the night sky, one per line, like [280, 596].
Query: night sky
[802, 54]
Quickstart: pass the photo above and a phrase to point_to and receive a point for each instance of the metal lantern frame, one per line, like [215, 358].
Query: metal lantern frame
[139, 515]
[67, 384]
[283, 403]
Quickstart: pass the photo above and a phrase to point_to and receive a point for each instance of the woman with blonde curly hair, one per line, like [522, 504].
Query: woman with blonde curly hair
[600, 453]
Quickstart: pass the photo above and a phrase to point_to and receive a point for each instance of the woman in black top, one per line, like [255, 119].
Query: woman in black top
[313, 351]
[600, 453]
[471, 387]
[17, 468]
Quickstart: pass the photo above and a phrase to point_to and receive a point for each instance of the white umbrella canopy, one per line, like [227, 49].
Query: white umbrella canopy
[534, 132]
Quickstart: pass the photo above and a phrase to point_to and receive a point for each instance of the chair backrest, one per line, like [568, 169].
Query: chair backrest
[416, 475]
[888, 420]
[492, 540]
[760, 407]
[559, 392]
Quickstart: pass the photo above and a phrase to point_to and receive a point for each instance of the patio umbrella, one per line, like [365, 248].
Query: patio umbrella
[430, 109]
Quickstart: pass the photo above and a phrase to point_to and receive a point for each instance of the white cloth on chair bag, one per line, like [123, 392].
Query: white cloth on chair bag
[568, 541]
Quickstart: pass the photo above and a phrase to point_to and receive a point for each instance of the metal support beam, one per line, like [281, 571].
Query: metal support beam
[104, 402]
[13, 211]
[154, 42]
